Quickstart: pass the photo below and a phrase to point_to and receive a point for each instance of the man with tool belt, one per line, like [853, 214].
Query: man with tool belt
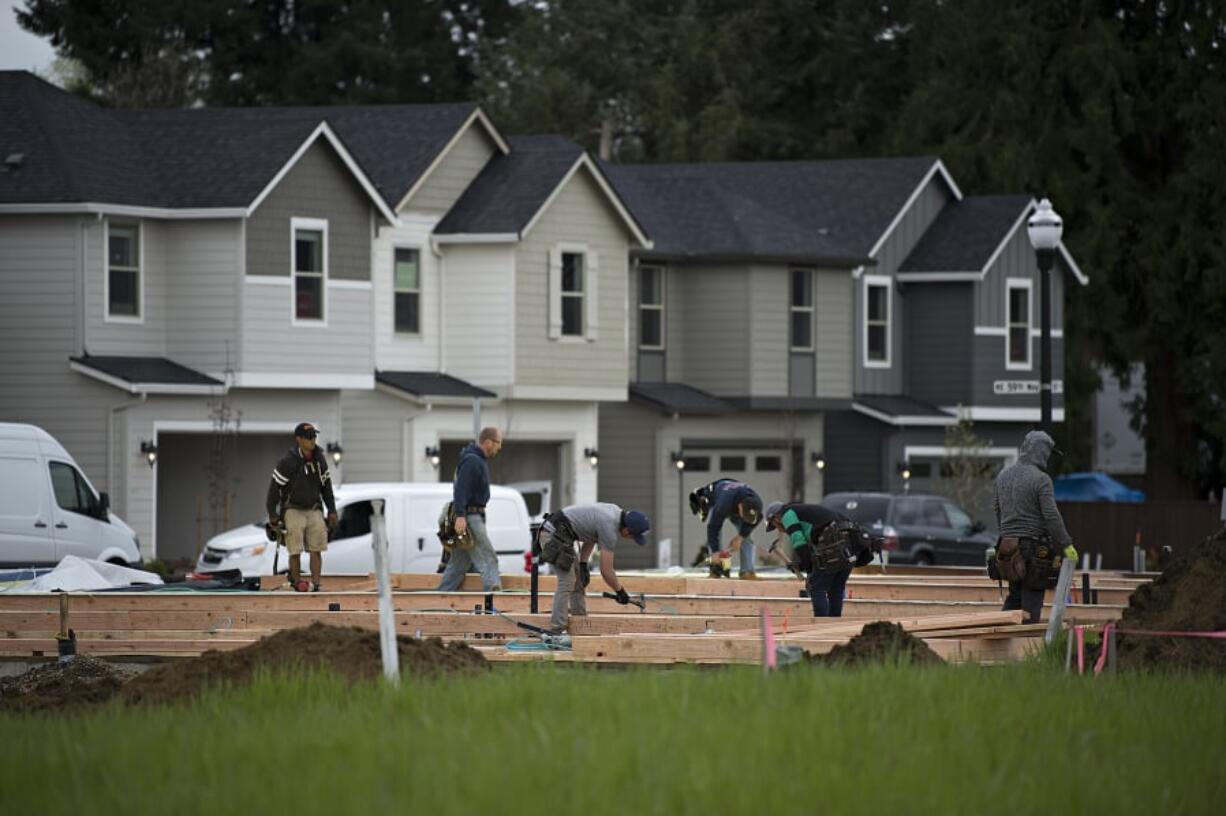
[825, 546]
[1032, 533]
[589, 525]
[469, 495]
[728, 500]
[300, 481]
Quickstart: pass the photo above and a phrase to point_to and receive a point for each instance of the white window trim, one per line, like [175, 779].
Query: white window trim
[591, 272]
[811, 309]
[420, 276]
[295, 224]
[107, 317]
[655, 307]
[1028, 285]
[888, 283]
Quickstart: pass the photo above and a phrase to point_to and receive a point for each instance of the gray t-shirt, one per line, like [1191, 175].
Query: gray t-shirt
[598, 522]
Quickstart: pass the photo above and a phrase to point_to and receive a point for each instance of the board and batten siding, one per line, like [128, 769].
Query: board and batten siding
[769, 328]
[144, 337]
[343, 344]
[855, 452]
[578, 215]
[627, 473]
[318, 186]
[988, 359]
[479, 313]
[204, 259]
[455, 171]
[939, 331]
[1017, 260]
[400, 351]
[833, 296]
[914, 223]
[42, 313]
[714, 343]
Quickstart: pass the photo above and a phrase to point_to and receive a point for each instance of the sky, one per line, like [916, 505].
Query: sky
[20, 49]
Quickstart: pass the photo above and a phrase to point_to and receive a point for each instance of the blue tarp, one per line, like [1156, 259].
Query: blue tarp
[1094, 487]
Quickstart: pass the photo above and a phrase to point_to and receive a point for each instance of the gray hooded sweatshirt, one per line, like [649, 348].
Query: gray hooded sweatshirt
[1025, 504]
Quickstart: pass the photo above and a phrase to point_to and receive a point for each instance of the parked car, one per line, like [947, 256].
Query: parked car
[917, 528]
[1094, 486]
[49, 509]
[411, 510]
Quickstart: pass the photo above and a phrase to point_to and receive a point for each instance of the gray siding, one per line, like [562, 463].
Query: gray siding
[924, 210]
[769, 330]
[580, 215]
[989, 366]
[120, 336]
[41, 309]
[373, 429]
[855, 452]
[939, 324]
[318, 186]
[272, 343]
[448, 180]
[627, 469]
[833, 302]
[713, 347]
[203, 280]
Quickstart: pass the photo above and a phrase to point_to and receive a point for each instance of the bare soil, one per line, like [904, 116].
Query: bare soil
[881, 642]
[348, 652]
[1189, 596]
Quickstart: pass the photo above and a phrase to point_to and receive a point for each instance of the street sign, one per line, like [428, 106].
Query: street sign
[1012, 387]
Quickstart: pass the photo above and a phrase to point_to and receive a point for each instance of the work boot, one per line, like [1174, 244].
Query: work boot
[315, 587]
[749, 576]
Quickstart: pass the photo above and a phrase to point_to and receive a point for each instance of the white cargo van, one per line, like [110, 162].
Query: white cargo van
[411, 510]
[48, 509]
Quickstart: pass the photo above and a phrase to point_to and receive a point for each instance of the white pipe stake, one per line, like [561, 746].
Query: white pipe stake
[383, 580]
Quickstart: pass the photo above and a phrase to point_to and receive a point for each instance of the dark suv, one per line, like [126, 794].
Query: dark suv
[917, 528]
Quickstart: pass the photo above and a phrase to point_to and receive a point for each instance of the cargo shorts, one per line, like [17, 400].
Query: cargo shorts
[305, 527]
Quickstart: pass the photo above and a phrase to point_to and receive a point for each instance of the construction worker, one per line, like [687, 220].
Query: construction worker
[300, 481]
[825, 546]
[469, 495]
[728, 500]
[587, 525]
[1032, 532]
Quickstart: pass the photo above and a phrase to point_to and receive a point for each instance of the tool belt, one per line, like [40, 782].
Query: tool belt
[447, 534]
[1044, 563]
[832, 549]
[1031, 562]
[555, 542]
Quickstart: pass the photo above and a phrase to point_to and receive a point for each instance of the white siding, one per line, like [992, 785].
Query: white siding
[479, 314]
[448, 180]
[403, 352]
[272, 344]
[204, 268]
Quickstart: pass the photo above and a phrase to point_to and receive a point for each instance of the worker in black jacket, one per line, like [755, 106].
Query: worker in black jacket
[300, 485]
[825, 546]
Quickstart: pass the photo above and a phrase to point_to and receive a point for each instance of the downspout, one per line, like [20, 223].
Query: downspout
[110, 444]
[442, 307]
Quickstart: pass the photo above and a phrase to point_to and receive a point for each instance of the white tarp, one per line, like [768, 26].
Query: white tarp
[75, 574]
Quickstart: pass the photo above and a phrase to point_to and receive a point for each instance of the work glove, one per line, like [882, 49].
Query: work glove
[1070, 552]
[332, 520]
[623, 597]
[585, 575]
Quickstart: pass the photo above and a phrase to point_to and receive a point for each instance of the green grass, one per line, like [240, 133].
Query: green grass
[563, 740]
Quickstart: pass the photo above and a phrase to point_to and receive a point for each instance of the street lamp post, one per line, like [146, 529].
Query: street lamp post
[678, 458]
[1045, 228]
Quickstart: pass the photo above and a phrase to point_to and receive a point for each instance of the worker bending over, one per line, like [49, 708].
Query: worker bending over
[734, 501]
[825, 546]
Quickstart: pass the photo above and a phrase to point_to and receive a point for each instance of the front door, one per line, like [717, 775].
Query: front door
[25, 517]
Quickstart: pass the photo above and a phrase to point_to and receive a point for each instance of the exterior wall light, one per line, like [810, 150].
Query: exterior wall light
[433, 455]
[150, 451]
[819, 461]
[593, 456]
[336, 452]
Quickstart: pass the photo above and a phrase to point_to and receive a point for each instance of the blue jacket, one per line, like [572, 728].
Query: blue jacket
[727, 495]
[472, 480]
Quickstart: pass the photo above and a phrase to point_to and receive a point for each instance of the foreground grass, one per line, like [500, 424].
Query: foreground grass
[545, 740]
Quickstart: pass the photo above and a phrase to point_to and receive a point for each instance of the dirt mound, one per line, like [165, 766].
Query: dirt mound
[348, 651]
[80, 681]
[881, 642]
[1189, 596]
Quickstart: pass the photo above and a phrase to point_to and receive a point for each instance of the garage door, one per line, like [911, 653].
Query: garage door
[516, 462]
[767, 471]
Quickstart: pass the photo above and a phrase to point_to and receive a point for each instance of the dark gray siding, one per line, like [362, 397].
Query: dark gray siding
[940, 326]
[989, 366]
[628, 470]
[318, 186]
[854, 448]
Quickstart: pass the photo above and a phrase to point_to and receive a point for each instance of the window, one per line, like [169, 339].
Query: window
[651, 308]
[697, 464]
[958, 519]
[72, 493]
[1018, 321]
[727, 463]
[572, 294]
[768, 463]
[354, 520]
[310, 267]
[907, 512]
[407, 291]
[862, 510]
[934, 514]
[876, 321]
[802, 310]
[123, 284]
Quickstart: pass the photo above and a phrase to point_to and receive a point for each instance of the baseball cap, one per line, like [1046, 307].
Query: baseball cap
[773, 509]
[306, 430]
[753, 509]
[638, 526]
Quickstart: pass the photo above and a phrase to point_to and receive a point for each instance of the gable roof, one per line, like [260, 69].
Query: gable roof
[512, 190]
[829, 212]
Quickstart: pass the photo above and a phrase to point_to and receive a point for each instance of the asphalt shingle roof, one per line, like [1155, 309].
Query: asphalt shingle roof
[146, 370]
[679, 398]
[815, 211]
[76, 151]
[965, 234]
[430, 384]
[511, 188]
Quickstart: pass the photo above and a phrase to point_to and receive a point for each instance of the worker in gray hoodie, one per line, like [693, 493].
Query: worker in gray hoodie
[1032, 532]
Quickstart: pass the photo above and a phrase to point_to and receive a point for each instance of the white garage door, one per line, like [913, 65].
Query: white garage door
[768, 471]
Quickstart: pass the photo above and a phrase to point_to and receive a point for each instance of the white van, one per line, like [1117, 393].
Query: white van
[48, 509]
[411, 510]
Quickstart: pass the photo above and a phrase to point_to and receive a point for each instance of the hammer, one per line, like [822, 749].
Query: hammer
[640, 602]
